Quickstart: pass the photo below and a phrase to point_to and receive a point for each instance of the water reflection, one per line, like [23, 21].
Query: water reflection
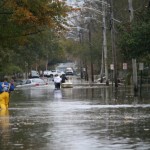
[103, 95]
[79, 119]
[57, 94]
[4, 127]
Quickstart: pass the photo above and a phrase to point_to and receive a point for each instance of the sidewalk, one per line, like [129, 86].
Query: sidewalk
[82, 82]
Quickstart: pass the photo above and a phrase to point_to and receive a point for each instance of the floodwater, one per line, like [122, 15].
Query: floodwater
[79, 118]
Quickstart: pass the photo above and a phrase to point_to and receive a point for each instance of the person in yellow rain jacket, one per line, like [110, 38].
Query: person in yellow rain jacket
[4, 94]
[4, 128]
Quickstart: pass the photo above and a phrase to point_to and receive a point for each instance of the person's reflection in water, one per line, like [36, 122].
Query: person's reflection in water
[4, 127]
[57, 94]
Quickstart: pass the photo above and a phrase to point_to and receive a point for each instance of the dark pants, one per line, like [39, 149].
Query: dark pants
[57, 85]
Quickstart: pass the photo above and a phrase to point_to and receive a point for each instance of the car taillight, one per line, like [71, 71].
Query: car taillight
[36, 84]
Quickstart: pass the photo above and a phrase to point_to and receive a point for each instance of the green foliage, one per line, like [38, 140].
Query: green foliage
[135, 39]
[11, 69]
[25, 27]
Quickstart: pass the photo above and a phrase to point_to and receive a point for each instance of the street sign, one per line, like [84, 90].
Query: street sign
[141, 66]
[124, 66]
[111, 66]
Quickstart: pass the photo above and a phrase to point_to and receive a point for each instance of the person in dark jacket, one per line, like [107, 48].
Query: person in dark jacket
[64, 78]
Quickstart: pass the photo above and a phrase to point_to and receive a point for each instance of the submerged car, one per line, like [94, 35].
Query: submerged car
[32, 83]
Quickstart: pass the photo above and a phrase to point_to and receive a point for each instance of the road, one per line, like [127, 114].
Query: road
[78, 118]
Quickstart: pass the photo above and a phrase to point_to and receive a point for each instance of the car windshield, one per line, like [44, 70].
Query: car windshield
[28, 82]
[69, 69]
[22, 82]
[37, 81]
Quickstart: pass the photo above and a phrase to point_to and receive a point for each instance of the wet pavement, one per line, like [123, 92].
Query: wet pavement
[78, 118]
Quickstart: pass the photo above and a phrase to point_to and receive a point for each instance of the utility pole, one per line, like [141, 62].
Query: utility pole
[102, 66]
[134, 64]
[46, 64]
[130, 10]
[81, 67]
[91, 57]
[105, 41]
[113, 44]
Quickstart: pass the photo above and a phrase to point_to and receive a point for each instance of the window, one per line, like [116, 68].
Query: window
[28, 82]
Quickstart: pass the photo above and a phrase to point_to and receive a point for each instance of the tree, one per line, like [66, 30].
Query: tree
[135, 39]
[22, 20]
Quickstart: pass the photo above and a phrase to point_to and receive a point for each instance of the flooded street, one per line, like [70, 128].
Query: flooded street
[79, 118]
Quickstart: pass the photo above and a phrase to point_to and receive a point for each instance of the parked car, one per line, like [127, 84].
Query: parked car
[31, 83]
[69, 71]
[34, 74]
[45, 73]
[49, 73]
[52, 73]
